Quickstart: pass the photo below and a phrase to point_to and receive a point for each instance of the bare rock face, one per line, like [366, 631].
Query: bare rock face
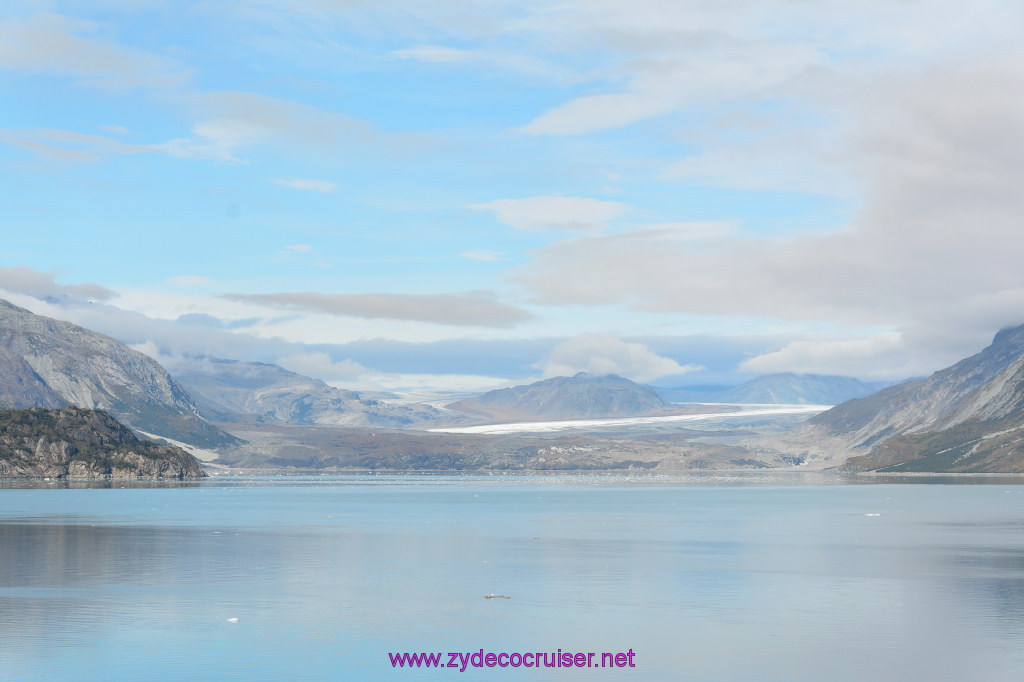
[966, 418]
[84, 444]
[49, 363]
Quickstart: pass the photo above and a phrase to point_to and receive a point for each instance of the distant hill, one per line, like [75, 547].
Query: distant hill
[230, 390]
[804, 389]
[76, 443]
[582, 396]
[48, 363]
[787, 388]
[966, 418]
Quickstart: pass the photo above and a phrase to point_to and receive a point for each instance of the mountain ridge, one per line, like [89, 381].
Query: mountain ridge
[235, 390]
[50, 363]
[781, 388]
[966, 417]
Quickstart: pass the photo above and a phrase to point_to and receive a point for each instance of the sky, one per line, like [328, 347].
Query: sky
[462, 195]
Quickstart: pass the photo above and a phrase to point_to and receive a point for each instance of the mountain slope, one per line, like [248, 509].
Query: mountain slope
[50, 363]
[75, 443]
[229, 390]
[967, 417]
[583, 396]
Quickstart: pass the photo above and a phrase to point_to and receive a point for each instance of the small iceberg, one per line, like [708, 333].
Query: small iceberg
[232, 620]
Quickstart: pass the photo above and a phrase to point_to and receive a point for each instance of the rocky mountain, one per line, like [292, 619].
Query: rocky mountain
[75, 443]
[583, 396]
[787, 388]
[967, 417]
[50, 363]
[234, 391]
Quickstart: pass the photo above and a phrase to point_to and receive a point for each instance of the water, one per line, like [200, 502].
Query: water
[712, 578]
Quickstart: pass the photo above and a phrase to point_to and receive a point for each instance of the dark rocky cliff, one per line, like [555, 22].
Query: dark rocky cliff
[84, 444]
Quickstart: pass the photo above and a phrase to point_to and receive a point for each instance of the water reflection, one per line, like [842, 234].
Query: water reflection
[704, 582]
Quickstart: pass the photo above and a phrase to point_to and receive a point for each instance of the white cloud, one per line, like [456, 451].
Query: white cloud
[351, 375]
[603, 354]
[933, 251]
[215, 140]
[321, 366]
[555, 212]
[149, 348]
[883, 356]
[297, 248]
[322, 186]
[487, 57]
[599, 112]
[796, 161]
[229, 123]
[661, 56]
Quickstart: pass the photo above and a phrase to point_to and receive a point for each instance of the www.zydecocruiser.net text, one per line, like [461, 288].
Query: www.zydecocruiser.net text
[462, 660]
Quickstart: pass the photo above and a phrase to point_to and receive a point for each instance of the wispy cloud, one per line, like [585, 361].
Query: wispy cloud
[469, 309]
[555, 212]
[484, 255]
[436, 54]
[322, 186]
[66, 145]
[60, 45]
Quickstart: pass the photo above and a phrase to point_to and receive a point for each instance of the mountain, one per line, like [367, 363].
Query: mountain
[234, 391]
[966, 418]
[788, 388]
[583, 396]
[48, 363]
[809, 389]
[75, 443]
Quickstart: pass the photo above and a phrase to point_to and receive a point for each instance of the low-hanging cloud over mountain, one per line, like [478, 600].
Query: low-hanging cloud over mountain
[603, 354]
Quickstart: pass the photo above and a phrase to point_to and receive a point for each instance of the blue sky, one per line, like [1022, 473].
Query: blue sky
[465, 194]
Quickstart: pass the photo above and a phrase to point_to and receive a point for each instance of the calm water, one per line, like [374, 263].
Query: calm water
[704, 578]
